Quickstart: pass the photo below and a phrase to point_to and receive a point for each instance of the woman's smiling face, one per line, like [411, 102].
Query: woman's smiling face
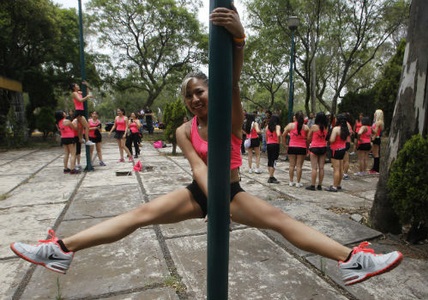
[196, 96]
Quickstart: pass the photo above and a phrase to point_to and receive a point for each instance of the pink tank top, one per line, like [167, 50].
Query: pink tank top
[201, 146]
[365, 138]
[77, 104]
[253, 132]
[66, 131]
[271, 137]
[297, 140]
[93, 124]
[133, 127]
[120, 124]
[338, 143]
[318, 139]
[379, 131]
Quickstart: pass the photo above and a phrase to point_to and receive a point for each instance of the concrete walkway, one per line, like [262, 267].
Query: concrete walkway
[169, 261]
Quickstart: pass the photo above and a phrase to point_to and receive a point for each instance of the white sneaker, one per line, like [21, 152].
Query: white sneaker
[299, 185]
[250, 171]
[257, 171]
[89, 143]
[47, 253]
[364, 263]
[291, 183]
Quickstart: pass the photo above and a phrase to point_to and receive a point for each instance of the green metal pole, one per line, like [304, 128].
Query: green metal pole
[219, 135]
[291, 89]
[84, 90]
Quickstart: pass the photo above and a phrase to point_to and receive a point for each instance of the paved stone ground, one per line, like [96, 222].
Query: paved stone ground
[169, 261]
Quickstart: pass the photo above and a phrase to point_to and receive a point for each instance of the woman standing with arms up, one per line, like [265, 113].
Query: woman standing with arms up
[191, 202]
[339, 136]
[273, 140]
[297, 147]
[318, 149]
[377, 129]
[121, 127]
[252, 129]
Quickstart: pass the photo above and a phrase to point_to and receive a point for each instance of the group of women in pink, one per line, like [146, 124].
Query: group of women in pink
[300, 141]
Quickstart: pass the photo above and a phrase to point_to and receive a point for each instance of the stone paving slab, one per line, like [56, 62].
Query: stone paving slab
[169, 261]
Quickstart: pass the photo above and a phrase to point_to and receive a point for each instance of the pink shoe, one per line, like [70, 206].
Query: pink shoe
[121, 160]
[130, 159]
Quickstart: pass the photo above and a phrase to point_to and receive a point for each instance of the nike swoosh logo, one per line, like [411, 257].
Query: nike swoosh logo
[357, 267]
[53, 257]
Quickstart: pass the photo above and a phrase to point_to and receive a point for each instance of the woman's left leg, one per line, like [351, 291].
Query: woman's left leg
[252, 211]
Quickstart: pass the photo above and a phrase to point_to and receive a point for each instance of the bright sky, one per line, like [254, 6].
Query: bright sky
[203, 14]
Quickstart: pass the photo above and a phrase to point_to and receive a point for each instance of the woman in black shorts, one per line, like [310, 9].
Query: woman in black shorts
[318, 149]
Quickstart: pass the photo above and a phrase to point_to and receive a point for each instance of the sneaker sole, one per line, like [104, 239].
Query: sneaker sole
[387, 269]
[34, 262]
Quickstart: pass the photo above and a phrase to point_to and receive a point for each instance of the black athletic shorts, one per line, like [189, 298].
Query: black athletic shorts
[255, 143]
[67, 141]
[79, 113]
[119, 134]
[376, 141]
[318, 150]
[201, 199]
[364, 147]
[296, 151]
[338, 154]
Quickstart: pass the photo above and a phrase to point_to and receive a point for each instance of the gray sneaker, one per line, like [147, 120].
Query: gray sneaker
[47, 253]
[364, 263]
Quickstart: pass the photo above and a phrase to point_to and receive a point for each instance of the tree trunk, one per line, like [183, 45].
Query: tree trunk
[410, 113]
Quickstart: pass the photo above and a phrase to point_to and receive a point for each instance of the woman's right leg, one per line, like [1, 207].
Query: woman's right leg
[66, 156]
[120, 148]
[250, 158]
[321, 163]
[314, 166]
[291, 167]
[170, 208]
[336, 172]
[257, 152]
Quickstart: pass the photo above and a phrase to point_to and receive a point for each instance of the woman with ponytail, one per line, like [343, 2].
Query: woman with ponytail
[297, 147]
[339, 135]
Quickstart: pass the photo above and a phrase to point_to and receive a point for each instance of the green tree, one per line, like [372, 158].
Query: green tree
[173, 118]
[336, 41]
[153, 42]
[409, 116]
[45, 121]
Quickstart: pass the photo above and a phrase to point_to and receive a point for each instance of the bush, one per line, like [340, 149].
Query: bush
[408, 184]
[173, 118]
[45, 121]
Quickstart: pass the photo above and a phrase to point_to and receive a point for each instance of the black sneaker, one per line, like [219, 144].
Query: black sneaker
[272, 180]
[67, 170]
[319, 187]
[311, 188]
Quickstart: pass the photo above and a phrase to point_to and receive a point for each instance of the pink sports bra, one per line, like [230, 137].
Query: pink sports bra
[201, 146]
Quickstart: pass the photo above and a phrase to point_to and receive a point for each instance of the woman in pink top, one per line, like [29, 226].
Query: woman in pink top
[363, 145]
[338, 138]
[252, 130]
[79, 109]
[297, 147]
[95, 136]
[134, 134]
[273, 141]
[66, 128]
[121, 127]
[318, 149]
[190, 202]
[377, 129]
